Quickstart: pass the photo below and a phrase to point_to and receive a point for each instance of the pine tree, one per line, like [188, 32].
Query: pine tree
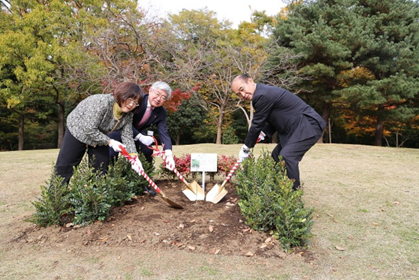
[357, 52]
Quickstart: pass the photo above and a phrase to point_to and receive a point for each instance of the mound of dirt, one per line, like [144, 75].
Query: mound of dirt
[149, 222]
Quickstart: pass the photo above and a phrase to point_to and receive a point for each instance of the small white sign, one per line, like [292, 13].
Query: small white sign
[204, 162]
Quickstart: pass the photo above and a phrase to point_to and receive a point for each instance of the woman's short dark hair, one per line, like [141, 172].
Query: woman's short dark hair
[127, 90]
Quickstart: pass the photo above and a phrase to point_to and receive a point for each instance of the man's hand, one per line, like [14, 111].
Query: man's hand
[146, 140]
[136, 164]
[170, 162]
[244, 153]
[115, 145]
[261, 136]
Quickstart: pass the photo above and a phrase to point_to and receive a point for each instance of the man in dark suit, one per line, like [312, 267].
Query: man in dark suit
[298, 126]
[151, 114]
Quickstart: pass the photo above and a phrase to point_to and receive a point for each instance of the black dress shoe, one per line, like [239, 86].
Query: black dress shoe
[150, 191]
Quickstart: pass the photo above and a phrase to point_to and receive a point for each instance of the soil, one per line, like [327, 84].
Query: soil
[151, 223]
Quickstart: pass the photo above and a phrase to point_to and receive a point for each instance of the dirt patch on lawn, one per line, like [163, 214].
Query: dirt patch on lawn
[150, 223]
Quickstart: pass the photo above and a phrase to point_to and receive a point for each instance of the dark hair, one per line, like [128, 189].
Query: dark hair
[126, 90]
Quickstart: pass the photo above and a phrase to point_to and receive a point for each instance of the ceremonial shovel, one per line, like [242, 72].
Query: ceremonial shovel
[217, 193]
[158, 190]
[193, 191]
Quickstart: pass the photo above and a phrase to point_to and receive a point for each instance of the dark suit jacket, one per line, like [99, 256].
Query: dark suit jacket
[157, 118]
[285, 113]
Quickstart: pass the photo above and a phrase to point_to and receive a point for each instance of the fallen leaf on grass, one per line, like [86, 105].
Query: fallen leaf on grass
[264, 245]
[211, 228]
[191, 247]
[215, 252]
[103, 239]
[269, 239]
[375, 224]
[249, 254]
[340, 248]
[129, 237]
[181, 226]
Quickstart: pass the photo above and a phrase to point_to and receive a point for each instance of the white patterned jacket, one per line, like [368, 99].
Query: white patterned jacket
[93, 119]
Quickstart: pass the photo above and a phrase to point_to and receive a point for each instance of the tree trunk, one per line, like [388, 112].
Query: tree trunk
[219, 126]
[177, 139]
[252, 111]
[61, 123]
[21, 133]
[379, 132]
[326, 112]
[275, 137]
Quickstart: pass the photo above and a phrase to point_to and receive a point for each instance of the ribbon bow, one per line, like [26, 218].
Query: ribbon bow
[157, 151]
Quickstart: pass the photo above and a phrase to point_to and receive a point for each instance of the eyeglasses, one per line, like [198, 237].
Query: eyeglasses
[131, 102]
[160, 95]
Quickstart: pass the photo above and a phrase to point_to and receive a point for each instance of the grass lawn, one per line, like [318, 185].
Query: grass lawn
[366, 213]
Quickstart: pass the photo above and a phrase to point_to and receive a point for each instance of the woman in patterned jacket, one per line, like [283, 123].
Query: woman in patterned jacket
[90, 122]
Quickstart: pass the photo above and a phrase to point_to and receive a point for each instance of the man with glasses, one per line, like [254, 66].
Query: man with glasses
[151, 115]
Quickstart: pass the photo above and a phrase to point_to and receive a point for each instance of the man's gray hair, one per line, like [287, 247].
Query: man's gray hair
[163, 86]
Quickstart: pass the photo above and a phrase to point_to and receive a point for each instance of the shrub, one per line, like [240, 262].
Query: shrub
[269, 204]
[52, 204]
[229, 136]
[225, 164]
[90, 195]
[124, 183]
[183, 165]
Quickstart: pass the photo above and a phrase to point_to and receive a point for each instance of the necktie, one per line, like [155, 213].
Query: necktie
[145, 116]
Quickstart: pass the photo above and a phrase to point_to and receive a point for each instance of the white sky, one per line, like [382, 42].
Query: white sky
[235, 11]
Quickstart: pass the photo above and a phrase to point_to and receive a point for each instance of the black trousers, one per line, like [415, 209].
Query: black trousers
[293, 153]
[72, 152]
[145, 150]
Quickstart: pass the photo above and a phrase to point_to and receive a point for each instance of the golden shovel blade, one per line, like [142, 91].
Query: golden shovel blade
[192, 196]
[194, 192]
[216, 194]
[167, 200]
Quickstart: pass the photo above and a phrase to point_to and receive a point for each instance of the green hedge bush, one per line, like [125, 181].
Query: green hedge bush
[269, 204]
[89, 195]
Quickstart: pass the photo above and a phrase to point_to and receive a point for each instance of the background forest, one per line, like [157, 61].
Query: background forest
[355, 61]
